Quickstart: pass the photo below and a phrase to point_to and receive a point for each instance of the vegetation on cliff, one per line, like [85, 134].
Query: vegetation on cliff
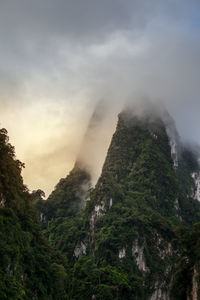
[119, 246]
[29, 267]
[130, 237]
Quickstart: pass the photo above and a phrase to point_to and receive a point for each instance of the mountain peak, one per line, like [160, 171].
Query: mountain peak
[120, 245]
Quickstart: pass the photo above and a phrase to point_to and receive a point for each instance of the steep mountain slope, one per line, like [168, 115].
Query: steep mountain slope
[120, 246]
[68, 197]
[133, 210]
[186, 283]
[29, 267]
[134, 236]
[60, 215]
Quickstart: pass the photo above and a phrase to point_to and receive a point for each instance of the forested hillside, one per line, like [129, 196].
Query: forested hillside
[135, 235]
[29, 267]
[122, 245]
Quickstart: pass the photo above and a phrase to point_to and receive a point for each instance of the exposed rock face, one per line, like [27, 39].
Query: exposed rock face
[195, 284]
[80, 250]
[176, 205]
[122, 253]
[2, 200]
[159, 293]
[99, 210]
[196, 177]
[42, 218]
[165, 248]
[174, 139]
[138, 253]
[193, 292]
[153, 134]
[174, 152]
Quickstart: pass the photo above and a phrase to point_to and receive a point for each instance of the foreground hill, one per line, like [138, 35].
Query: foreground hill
[29, 267]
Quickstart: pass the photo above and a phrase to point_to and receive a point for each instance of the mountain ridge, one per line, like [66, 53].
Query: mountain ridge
[135, 235]
[132, 212]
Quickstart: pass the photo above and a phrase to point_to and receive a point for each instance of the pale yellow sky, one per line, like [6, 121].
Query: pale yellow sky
[47, 138]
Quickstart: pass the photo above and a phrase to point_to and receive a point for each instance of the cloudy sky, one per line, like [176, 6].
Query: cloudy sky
[59, 58]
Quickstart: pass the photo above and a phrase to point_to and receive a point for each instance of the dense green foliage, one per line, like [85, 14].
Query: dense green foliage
[140, 199]
[67, 198]
[29, 267]
[130, 237]
[189, 263]
[138, 176]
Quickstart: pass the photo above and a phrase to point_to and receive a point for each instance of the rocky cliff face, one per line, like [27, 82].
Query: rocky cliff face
[120, 245]
[130, 237]
[193, 293]
[135, 205]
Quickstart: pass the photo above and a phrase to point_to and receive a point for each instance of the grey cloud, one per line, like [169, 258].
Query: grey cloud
[73, 18]
[72, 53]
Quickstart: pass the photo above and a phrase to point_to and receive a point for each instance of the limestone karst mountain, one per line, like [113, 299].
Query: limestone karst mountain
[120, 246]
[135, 235]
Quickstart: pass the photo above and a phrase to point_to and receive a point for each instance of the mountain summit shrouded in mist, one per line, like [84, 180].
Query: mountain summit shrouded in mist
[134, 235]
[131, 236]
[123, 222]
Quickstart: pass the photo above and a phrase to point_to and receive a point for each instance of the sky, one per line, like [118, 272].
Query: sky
[58, 59]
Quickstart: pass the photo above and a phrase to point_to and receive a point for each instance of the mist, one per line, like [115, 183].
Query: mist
[58, 59]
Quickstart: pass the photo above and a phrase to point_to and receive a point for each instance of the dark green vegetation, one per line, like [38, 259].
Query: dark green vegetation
[187, 272]
[65, 200]
[131, 237]
[120, 245]
[29, 267]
